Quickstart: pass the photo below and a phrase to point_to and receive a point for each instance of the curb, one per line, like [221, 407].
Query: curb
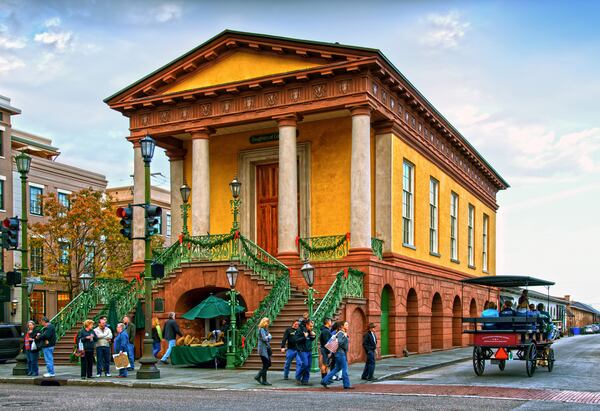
[415, 370]
[88, 383]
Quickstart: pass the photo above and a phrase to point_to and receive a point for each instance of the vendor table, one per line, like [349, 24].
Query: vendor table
[184, 355]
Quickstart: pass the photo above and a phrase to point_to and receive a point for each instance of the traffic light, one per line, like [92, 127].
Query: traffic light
[10, 233]
[153, 214]
[13, 278]
[157, 270]
[126, 216]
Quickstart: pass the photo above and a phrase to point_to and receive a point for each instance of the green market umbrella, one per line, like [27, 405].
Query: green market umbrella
[210, 308]
[140, 321]
[113, 318]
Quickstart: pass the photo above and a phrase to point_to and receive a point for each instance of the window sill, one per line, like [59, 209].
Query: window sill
[434, 254]
[412, 247]
[452, 260]
[472, 267]
[485, 271]
[2, 210]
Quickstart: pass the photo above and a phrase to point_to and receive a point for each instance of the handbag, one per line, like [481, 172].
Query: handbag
[269, 351]
[79, 351]
[332, 344]
[33, 346]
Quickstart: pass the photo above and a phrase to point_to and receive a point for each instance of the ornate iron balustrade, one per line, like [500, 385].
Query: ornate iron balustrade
[262, 263]
[170, 256]
[377, 247]
[353, 285]
[78, 309]
[324, 248]
[216, 247]
[269, 307]
[124, 299]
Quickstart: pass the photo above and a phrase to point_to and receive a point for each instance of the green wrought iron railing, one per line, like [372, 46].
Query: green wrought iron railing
[77, 310]
[377, 247]
[324, 248]
[170, 256]
[346, 284]
[124, 299]
[270, 308]
[216, 247]
[262, 263]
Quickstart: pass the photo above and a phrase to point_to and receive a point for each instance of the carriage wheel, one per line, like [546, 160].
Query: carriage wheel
[502, 365]
[550, 359]
[531, 359]
[478, 360]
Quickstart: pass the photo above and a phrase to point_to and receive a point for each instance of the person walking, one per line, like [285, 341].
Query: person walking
[288, 346]
[130, 328]
[324, 337]
[121, 345]
[47, 340]
[87, 338]
[31, 353]
[104, 336]
[341, 360]
[304, 341]
[370, 347]
[156, 337]
[171, 332]
[264, 350]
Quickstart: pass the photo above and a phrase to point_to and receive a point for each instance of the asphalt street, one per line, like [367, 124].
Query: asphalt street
[577, 368]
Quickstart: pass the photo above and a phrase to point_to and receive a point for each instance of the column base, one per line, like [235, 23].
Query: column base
[360, 251]
[289, 257]
[148, 370]
[21, 367]
[135, 270]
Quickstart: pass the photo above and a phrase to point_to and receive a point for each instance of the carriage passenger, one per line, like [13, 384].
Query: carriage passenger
[507, 310]
[490, 312]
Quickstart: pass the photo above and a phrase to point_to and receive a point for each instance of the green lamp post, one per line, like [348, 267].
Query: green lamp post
[308, 272]
[185, 191]
[148, 368]
[232, 274]
[23, 162]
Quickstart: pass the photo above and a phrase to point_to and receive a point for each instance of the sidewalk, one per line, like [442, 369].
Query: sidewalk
[206, 378]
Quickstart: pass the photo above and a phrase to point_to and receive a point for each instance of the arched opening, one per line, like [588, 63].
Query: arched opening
[472, 313]
[387, 311]
[200, 327]
[437, 324]
[412, 321]
[355, 333]
[456, 322]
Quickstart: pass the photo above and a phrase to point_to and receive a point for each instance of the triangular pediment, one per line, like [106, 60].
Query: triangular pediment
[239, 66]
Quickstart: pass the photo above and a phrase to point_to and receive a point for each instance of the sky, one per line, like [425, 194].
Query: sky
[519, 79]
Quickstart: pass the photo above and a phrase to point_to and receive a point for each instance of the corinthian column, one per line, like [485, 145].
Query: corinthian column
[360, 179]
[287, 207]
[139, 225]
[200, 182]
[176, 171]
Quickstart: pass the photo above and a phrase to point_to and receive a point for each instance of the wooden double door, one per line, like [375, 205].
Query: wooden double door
[267, 189]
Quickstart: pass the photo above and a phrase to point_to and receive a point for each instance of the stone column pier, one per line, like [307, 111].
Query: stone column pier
[287, 207]
[360, 180]
[200, 182]
[139, 225]
[176, 171]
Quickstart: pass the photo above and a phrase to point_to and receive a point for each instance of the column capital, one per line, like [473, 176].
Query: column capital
[135, 140]
[288, 120]
[176, 155]
[201, 132]
[360, 110]
[383, 127]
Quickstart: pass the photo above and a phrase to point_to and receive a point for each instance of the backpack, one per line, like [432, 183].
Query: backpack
[332, 344]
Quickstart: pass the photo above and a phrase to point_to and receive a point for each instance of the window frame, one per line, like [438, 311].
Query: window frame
[38, 199]
[485, 243]
[2, 193]
[471, 236]
[35, 259]
[454, 206]
[434, 217]
[168, 228]
[408, 204]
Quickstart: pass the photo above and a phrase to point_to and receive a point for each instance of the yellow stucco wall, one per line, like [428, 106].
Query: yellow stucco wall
[239, 66]
[423, 170]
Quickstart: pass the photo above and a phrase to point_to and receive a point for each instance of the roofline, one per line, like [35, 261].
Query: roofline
[35, 144]
[319, 43]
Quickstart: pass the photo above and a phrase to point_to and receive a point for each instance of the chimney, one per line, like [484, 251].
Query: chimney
[568, 298]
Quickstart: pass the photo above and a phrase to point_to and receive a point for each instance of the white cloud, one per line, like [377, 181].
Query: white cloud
[7, 42]
[167, 12]
[446, 30]
[60, 41]
[52, 22]
[10, 63]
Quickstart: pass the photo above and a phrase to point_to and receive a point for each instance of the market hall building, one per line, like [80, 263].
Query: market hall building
[342, 161]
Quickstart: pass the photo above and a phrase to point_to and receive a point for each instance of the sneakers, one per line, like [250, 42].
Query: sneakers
[108, 374]
[98, 375]
[324, 385]
[48, 375]
[348, 388]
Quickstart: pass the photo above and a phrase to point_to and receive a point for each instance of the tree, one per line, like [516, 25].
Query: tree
[81, 236]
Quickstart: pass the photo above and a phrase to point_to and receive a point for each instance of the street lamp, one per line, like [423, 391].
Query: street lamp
[13, 307]
[85, 279]
[23, 163]
[232, 275]
[235, 187]
[32, 282]
[185, 196]
[308, 272]
[148, 368]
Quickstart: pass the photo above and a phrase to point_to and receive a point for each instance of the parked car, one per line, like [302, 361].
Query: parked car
[10, 341]
[595, 328]
[588, 329]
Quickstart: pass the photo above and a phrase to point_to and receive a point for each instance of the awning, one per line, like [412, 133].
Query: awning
[507, 281]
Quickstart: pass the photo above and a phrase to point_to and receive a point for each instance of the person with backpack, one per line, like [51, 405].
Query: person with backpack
[341, 360]
[47, 340]
[324, 337]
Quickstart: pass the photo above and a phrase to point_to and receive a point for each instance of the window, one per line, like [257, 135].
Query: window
[484, 262]
[471, 234]
[407, 204]
[37, 304]
[90, 255]
[168, 224]
[64, 200]
[454, 226]
[433, 215]
[35, 200]
[1, 194]
[158, 225]
[37, 260]
[1, 143]
[62, 299]
[64, 252]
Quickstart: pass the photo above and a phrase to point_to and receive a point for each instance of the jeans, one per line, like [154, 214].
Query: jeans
[341, 363]
[103, 355]
[290, 355]
[49, 358]
[303, 366]
[130, 354]
[369, 366]
[266, 363]
[172, 344]
[32, 362]
[155, 348]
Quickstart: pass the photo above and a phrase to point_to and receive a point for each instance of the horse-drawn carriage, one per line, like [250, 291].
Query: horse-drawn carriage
[501, 339]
